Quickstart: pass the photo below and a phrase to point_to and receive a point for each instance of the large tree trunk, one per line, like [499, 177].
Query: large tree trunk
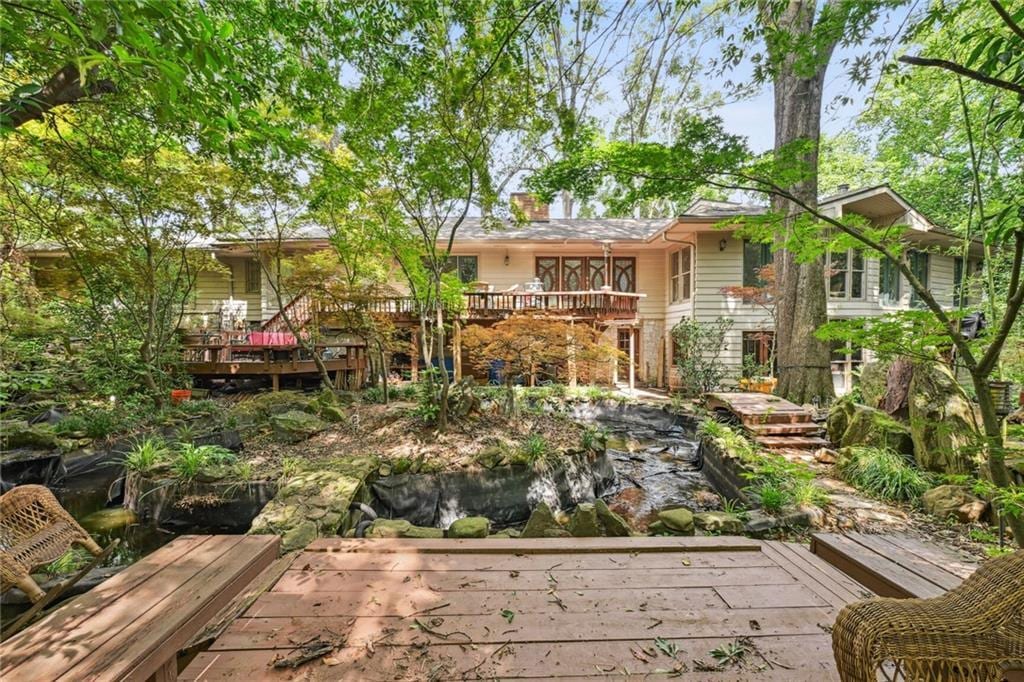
[804, 372]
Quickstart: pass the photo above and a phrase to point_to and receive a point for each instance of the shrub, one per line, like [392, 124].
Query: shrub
[146, 454]
[533, 451]
[698, 350]
[773, 497]
[191, 459]
[592, 437]
[883, 473]
[73, 423]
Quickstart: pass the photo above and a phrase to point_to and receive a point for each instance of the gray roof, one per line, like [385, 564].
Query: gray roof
[576, 229]
[710, 208]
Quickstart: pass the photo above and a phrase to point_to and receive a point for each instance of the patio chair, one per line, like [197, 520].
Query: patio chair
[973, 632]
[35, 530]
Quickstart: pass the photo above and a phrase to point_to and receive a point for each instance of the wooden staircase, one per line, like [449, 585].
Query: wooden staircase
[299, 310]
[772, 422]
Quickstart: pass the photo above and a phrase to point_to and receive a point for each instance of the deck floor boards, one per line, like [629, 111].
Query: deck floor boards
[560, 608]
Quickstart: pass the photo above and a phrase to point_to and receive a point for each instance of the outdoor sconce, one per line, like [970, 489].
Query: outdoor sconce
[507, 259]
[722, 244]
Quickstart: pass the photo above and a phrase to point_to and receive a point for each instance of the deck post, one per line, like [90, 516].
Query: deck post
[457, 349]
[570, 359]
[414, 373]
[632, 359]
[275, 382]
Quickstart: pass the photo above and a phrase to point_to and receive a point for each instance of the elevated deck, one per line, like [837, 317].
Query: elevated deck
[537, 608]
[222, 357]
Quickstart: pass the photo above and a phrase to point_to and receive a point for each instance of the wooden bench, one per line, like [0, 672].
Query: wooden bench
[132, 626]
[893, 565]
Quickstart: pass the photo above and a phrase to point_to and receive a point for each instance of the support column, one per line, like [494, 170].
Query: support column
[415, 343]
[457, 349]
[570, 358]
[632, 359]
[275, 382]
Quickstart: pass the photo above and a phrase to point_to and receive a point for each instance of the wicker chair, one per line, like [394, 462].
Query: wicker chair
[973, 632]
[34, 530]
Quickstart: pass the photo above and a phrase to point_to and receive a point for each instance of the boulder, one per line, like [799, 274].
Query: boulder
[614, 525]
[470, 527]
[400, 528]
[677, 521]
[874, 428]
[826, 456]
[15, 433]
[295, 426]
[874, 377]
[318, 498]
[333, 414]
[955, 501]
[299, 536]
[943, 421]
[720, 522]
[839, 417]
[541, 520]
[584, 523]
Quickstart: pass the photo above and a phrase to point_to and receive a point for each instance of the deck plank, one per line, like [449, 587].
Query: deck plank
[69, 628]
[470, 581]
[836, 588]
[877, 572]
[946, 560]
[723, 543]
[940, 577]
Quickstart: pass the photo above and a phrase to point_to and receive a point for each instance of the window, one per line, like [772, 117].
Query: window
[888, 282]
[846, 363]
[756, 255]
[846, 274]
[682, 271]
[585, 273]
[960, 285]
[465, 267]
[918, 262]
[757, 352]
[252, 276]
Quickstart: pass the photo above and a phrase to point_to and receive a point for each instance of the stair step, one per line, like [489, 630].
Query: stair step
[800, 428]
[781, 417]
[798, 442]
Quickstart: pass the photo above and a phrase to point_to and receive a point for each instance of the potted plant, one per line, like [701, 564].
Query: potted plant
[757, 376]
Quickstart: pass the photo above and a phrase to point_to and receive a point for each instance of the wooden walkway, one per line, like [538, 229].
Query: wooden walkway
[538, 608]
[771, 421]
[894, 565]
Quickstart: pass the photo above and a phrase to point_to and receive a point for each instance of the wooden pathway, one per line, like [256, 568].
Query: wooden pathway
[895, 564]
[538, 608]
[771, 421]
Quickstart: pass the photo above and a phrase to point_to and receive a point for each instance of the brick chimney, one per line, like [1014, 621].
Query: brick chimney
[530, 207]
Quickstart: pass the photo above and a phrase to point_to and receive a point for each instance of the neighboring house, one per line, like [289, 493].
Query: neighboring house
[641, 277]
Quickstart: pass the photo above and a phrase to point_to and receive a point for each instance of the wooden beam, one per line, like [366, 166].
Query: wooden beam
[457, 349]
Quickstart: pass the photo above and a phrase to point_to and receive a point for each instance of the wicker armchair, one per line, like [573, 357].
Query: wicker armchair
[973, 632]
[34, 530]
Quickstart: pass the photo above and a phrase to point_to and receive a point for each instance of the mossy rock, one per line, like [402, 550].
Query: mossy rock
[264, 405]
[874, 377]
[955, 501]
[400, 528]
[470, 527]
[839, 416]
[299, 536]
[584, 522]
[490, 457]
[614, 525]
[541, 520]
[677, 521]
[295, 426]
[720, 522]
[874, 428]
[15, 433]
[944, 425]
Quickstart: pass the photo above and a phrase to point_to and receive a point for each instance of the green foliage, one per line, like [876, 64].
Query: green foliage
[191, 459]
[534, 451]
[883, 473]
[146, 454]
[592, 436]
[698, 349]
[75, 559]
[72, 423]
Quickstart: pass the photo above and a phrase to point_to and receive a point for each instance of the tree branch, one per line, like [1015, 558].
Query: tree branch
[1007, 19]
[64, 87]
[963, 71]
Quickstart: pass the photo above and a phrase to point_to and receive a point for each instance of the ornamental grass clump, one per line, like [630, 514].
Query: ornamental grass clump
[882, 473]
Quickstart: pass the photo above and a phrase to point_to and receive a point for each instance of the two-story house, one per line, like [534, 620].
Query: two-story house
[635, 279]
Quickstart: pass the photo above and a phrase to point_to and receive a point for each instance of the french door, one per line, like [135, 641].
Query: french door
[585, 273]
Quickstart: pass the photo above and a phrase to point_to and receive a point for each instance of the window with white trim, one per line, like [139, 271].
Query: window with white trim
[252, 276]
[681, 279]
[846, 275]
[918, 261]
[888, 282]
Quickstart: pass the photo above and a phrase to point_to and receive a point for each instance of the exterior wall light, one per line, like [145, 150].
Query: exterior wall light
[722, 244]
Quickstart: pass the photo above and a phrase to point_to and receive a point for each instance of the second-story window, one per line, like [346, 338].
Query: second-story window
[846, 274]
[918, 262]
[888, 282]
[681, 281]
[465, 267]
[756, 255]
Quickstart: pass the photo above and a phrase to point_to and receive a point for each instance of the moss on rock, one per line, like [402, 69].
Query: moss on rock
[470, 527]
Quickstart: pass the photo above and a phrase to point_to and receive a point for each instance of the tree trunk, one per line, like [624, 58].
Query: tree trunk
[996, 451]
[442, 403]
[804, 370]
